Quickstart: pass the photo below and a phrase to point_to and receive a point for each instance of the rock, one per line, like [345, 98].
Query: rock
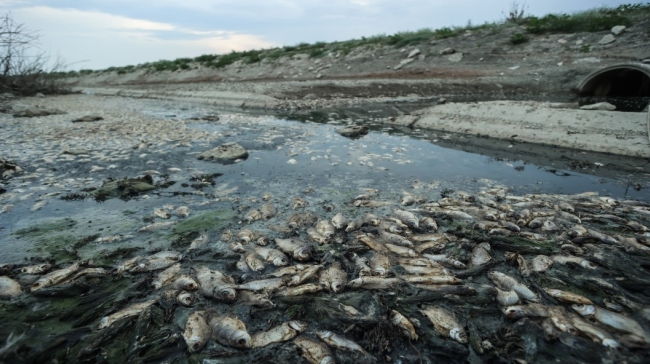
[228, 152]
[88, 118]
[421, 57]
[414, 53]
[607, 39]
[319, 76]
[562, 41]
[403, 63]
[210, 118]
[447, 51]
[456, 57]
[8, 169]
[587, 60]
[39, 95]
[24, 111]
[353, 131]
[441, 101]
[605, 106]
[617, 30]
[310, 97]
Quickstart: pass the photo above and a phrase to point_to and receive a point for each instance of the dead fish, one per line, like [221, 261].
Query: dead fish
[9, 288]
[291, 270]
[185, 298]
[245, 235]
[299, 290]
[354, 226]
[458, 215]
[334, 279]
[303, 275]
[371, 203]
[36, 269]
[254, 263]
[380, 264]
[480, 255]
[419, 262]
[507, 298]
[443, 259]
[200, 241]
[565, 206]
[373, 244]
[612, 319]
[297, 248]
[182, 211]
[407, 218]
[445, 323]
[315, 352]
[299, 203]
[166, 276]
[283, 332]
[273, 256]
[316, 236]
[564, 259]
[509, 283]
[237, 247]
[404, 324]
[269, 284]
[111, 239]
[55, 277]
[197, 331]
[529, 310]
[229, 331]
[252, 215]
[431, 279]
[569, 217]
[160, 260]
[401, 250]
[267, 196]
[540, 263]
[374, 282]
[131, 311]
[216, 285]
[395, 239]
[339, 221]
[325, 228]
[595, 333]
[298, 220]
[39, 205]
[429, 223]
[267, 211]
[185, 283]
[340, 342]
[362, 266]
[604, 238]
[226, 236]
[251, 298]
[426, 270]
[568, 297]
[370, 219]
[157, 226]
[162, 213]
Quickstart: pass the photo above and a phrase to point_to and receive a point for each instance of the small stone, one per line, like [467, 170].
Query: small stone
[456, 57]
[88, 118]
[587, 60]
[579, 42]
[319, 76]
[447, 51]
[607, 39]
[353, 131]
[442, 100]
[604, 106]
[617, 30]
[403, 63]
[559, 64]
[562, 41]
[225, 153]
[414, 53]
[39, 95]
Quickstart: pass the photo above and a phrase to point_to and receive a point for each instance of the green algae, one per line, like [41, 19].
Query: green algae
[209, 221]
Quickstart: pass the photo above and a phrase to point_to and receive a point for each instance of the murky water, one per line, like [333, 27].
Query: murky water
[288, 159]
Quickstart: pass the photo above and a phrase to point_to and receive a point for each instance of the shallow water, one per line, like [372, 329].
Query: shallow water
[287, 158]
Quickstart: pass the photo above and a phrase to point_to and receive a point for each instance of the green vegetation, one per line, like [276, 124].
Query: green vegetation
[600, 19]
[518, 38]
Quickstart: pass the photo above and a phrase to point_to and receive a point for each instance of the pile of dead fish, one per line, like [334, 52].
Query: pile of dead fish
[486, 276]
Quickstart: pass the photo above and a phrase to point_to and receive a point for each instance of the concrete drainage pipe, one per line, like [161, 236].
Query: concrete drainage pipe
[627, 86]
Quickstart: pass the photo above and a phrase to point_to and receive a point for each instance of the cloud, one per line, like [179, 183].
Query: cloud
[100, 40]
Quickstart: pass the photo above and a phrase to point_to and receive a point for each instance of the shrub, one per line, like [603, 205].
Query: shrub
[518, 38]
[590, 21]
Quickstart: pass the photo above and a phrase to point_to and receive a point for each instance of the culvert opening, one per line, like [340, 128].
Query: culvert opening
[625, 86]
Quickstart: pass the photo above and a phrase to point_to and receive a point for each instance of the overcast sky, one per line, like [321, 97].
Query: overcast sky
[97, 34]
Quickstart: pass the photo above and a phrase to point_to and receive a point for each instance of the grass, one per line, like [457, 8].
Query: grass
[600, 19]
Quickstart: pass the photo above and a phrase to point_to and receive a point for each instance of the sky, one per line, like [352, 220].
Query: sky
[96, 34]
